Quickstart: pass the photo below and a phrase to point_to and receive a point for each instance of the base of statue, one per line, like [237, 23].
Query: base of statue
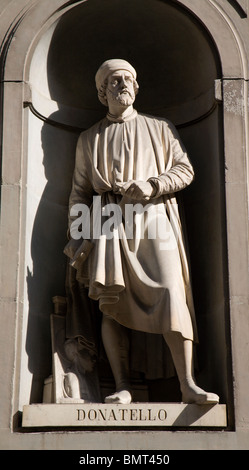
[141, 415]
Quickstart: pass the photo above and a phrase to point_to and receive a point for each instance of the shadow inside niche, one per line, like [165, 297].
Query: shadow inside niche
[49, 236]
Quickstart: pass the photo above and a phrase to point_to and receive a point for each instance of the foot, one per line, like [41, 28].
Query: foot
[123, 397]
[191, 393]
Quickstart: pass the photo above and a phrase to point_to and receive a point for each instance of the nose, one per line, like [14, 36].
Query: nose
[123, 82]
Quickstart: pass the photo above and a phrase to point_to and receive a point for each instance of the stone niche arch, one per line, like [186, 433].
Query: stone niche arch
[181, 59]
[177, 81]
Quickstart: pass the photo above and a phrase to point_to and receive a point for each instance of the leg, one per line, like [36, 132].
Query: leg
[182, 354]
[116, 343]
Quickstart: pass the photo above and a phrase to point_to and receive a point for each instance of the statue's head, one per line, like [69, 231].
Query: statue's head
[116, 81]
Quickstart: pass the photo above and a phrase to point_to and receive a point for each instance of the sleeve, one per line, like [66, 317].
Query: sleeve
[179, 173]
[82, 189]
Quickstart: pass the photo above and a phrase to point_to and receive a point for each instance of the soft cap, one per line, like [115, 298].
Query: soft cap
[110, 66]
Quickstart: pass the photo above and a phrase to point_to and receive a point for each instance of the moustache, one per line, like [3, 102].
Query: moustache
[120, 93]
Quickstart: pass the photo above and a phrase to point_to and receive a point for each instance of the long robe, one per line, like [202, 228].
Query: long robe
[142, 281]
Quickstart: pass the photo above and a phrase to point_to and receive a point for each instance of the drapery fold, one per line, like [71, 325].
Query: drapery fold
[140, 280]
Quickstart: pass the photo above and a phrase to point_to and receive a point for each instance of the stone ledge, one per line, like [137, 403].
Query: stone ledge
[133, 415]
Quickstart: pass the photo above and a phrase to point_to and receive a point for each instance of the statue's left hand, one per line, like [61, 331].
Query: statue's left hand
[138, 190]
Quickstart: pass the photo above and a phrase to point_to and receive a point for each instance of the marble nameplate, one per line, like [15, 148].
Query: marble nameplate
[114, 415]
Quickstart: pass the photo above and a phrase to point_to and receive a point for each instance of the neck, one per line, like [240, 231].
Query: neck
[120, 113]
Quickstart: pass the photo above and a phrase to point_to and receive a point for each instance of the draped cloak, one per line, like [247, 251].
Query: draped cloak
[142, 281]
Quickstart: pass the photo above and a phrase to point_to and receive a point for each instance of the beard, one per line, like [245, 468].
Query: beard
[125, 98]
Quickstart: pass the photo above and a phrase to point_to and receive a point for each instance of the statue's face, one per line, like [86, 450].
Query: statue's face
[120, 88]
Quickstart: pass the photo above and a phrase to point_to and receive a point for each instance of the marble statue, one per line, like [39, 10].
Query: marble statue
[126, 242]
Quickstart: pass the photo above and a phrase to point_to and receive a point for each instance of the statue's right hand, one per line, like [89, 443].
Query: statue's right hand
[137, 190]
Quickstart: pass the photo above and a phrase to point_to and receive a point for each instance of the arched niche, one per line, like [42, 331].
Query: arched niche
[177, 65]
[159, 44]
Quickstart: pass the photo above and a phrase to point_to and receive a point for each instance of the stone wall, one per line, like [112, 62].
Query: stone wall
[192, 57]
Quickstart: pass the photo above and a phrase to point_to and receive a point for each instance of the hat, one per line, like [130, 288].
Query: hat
[110, 66]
